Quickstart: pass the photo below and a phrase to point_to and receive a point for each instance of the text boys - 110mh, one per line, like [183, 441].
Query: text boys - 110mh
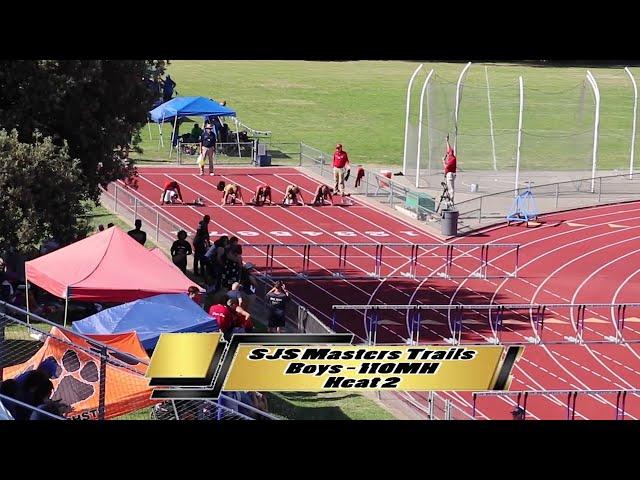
[392, 366]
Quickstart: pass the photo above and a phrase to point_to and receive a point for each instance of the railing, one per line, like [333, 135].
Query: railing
[590, 323]
[228, 153]
[569, 398]
[489, 208]
[372, 184]
[441, 408]
[378, 260]
[20, 340]
[252, 132]
[553, 197]
[122, 201]
[87, 363]
[9, 403]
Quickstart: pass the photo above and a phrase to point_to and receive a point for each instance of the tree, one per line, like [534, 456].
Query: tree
[38, 192]
[93, 105]
[85, 110]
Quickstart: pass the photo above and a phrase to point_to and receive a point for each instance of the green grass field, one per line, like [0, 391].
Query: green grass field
[362, 105]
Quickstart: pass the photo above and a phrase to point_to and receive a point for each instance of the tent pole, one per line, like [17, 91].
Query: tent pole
[66, 308]
[26, 285]
[175, 124]
[161, 140]
[238, 137]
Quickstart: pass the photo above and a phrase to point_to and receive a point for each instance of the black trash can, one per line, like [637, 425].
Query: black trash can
[449, 224]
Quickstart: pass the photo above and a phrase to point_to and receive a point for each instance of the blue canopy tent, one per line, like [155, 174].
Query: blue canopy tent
[181, 107]
[149, 317]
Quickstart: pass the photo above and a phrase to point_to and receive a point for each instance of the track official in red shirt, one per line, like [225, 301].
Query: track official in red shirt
[340, 163]
[449, 163]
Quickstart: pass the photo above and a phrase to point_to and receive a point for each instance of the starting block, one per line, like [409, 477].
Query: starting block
[342, 200]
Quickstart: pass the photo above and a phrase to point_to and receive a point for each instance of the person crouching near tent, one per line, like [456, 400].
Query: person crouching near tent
[171, 193]
[293, 196]
[323, 196]
[231, 193]
[230, 318]
[262, 196]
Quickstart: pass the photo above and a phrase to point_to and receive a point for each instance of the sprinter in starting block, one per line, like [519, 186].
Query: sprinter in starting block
[232, 193]
[323, 196]
[293, 196]
[262, 196]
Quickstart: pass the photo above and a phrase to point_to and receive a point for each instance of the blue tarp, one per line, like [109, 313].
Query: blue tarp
[149, 317]
[189, 107]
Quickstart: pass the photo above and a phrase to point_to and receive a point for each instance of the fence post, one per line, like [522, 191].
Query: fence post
[557, 193]
[321, 164]
[115, 196]
[254, 151]
[599, 188]
[157, 225]
[480, 211]
[431, 400]
[300, 154]
[135, 208]
[102, 395]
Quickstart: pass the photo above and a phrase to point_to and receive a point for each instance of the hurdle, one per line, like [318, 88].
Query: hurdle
[415, 261]
[460, 314]
[570, 403]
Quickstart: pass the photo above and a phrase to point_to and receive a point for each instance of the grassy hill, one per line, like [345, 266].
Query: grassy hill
[362, 105]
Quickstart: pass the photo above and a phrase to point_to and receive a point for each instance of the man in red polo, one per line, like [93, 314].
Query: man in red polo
[340, 163]
[229, 317]
[171, 193]
[449, 163]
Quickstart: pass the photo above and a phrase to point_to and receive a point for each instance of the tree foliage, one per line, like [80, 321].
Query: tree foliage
[67, 109]
[38, 192]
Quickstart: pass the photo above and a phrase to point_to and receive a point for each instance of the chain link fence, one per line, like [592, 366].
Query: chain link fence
[552, 197]
[96, 380]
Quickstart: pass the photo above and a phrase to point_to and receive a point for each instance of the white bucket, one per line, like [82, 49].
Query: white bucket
[473, 188]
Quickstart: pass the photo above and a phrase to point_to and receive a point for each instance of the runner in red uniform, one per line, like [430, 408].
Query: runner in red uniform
[171, 193]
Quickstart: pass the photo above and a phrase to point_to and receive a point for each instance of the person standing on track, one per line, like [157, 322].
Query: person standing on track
[207, 148]
[201, 244]
[276, 300]
[180, 250]
[449, 162]
[340, 165]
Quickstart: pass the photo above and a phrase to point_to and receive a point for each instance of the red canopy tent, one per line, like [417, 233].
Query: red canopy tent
[106, 267]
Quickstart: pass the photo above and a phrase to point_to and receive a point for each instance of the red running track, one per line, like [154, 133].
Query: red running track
[587, 255]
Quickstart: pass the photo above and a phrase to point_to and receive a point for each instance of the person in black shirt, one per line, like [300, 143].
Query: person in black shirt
[207, 148]
[201, 244]
[167, 88]
[180, 250]
[232, 267]
[137, 234]
[276, 301]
